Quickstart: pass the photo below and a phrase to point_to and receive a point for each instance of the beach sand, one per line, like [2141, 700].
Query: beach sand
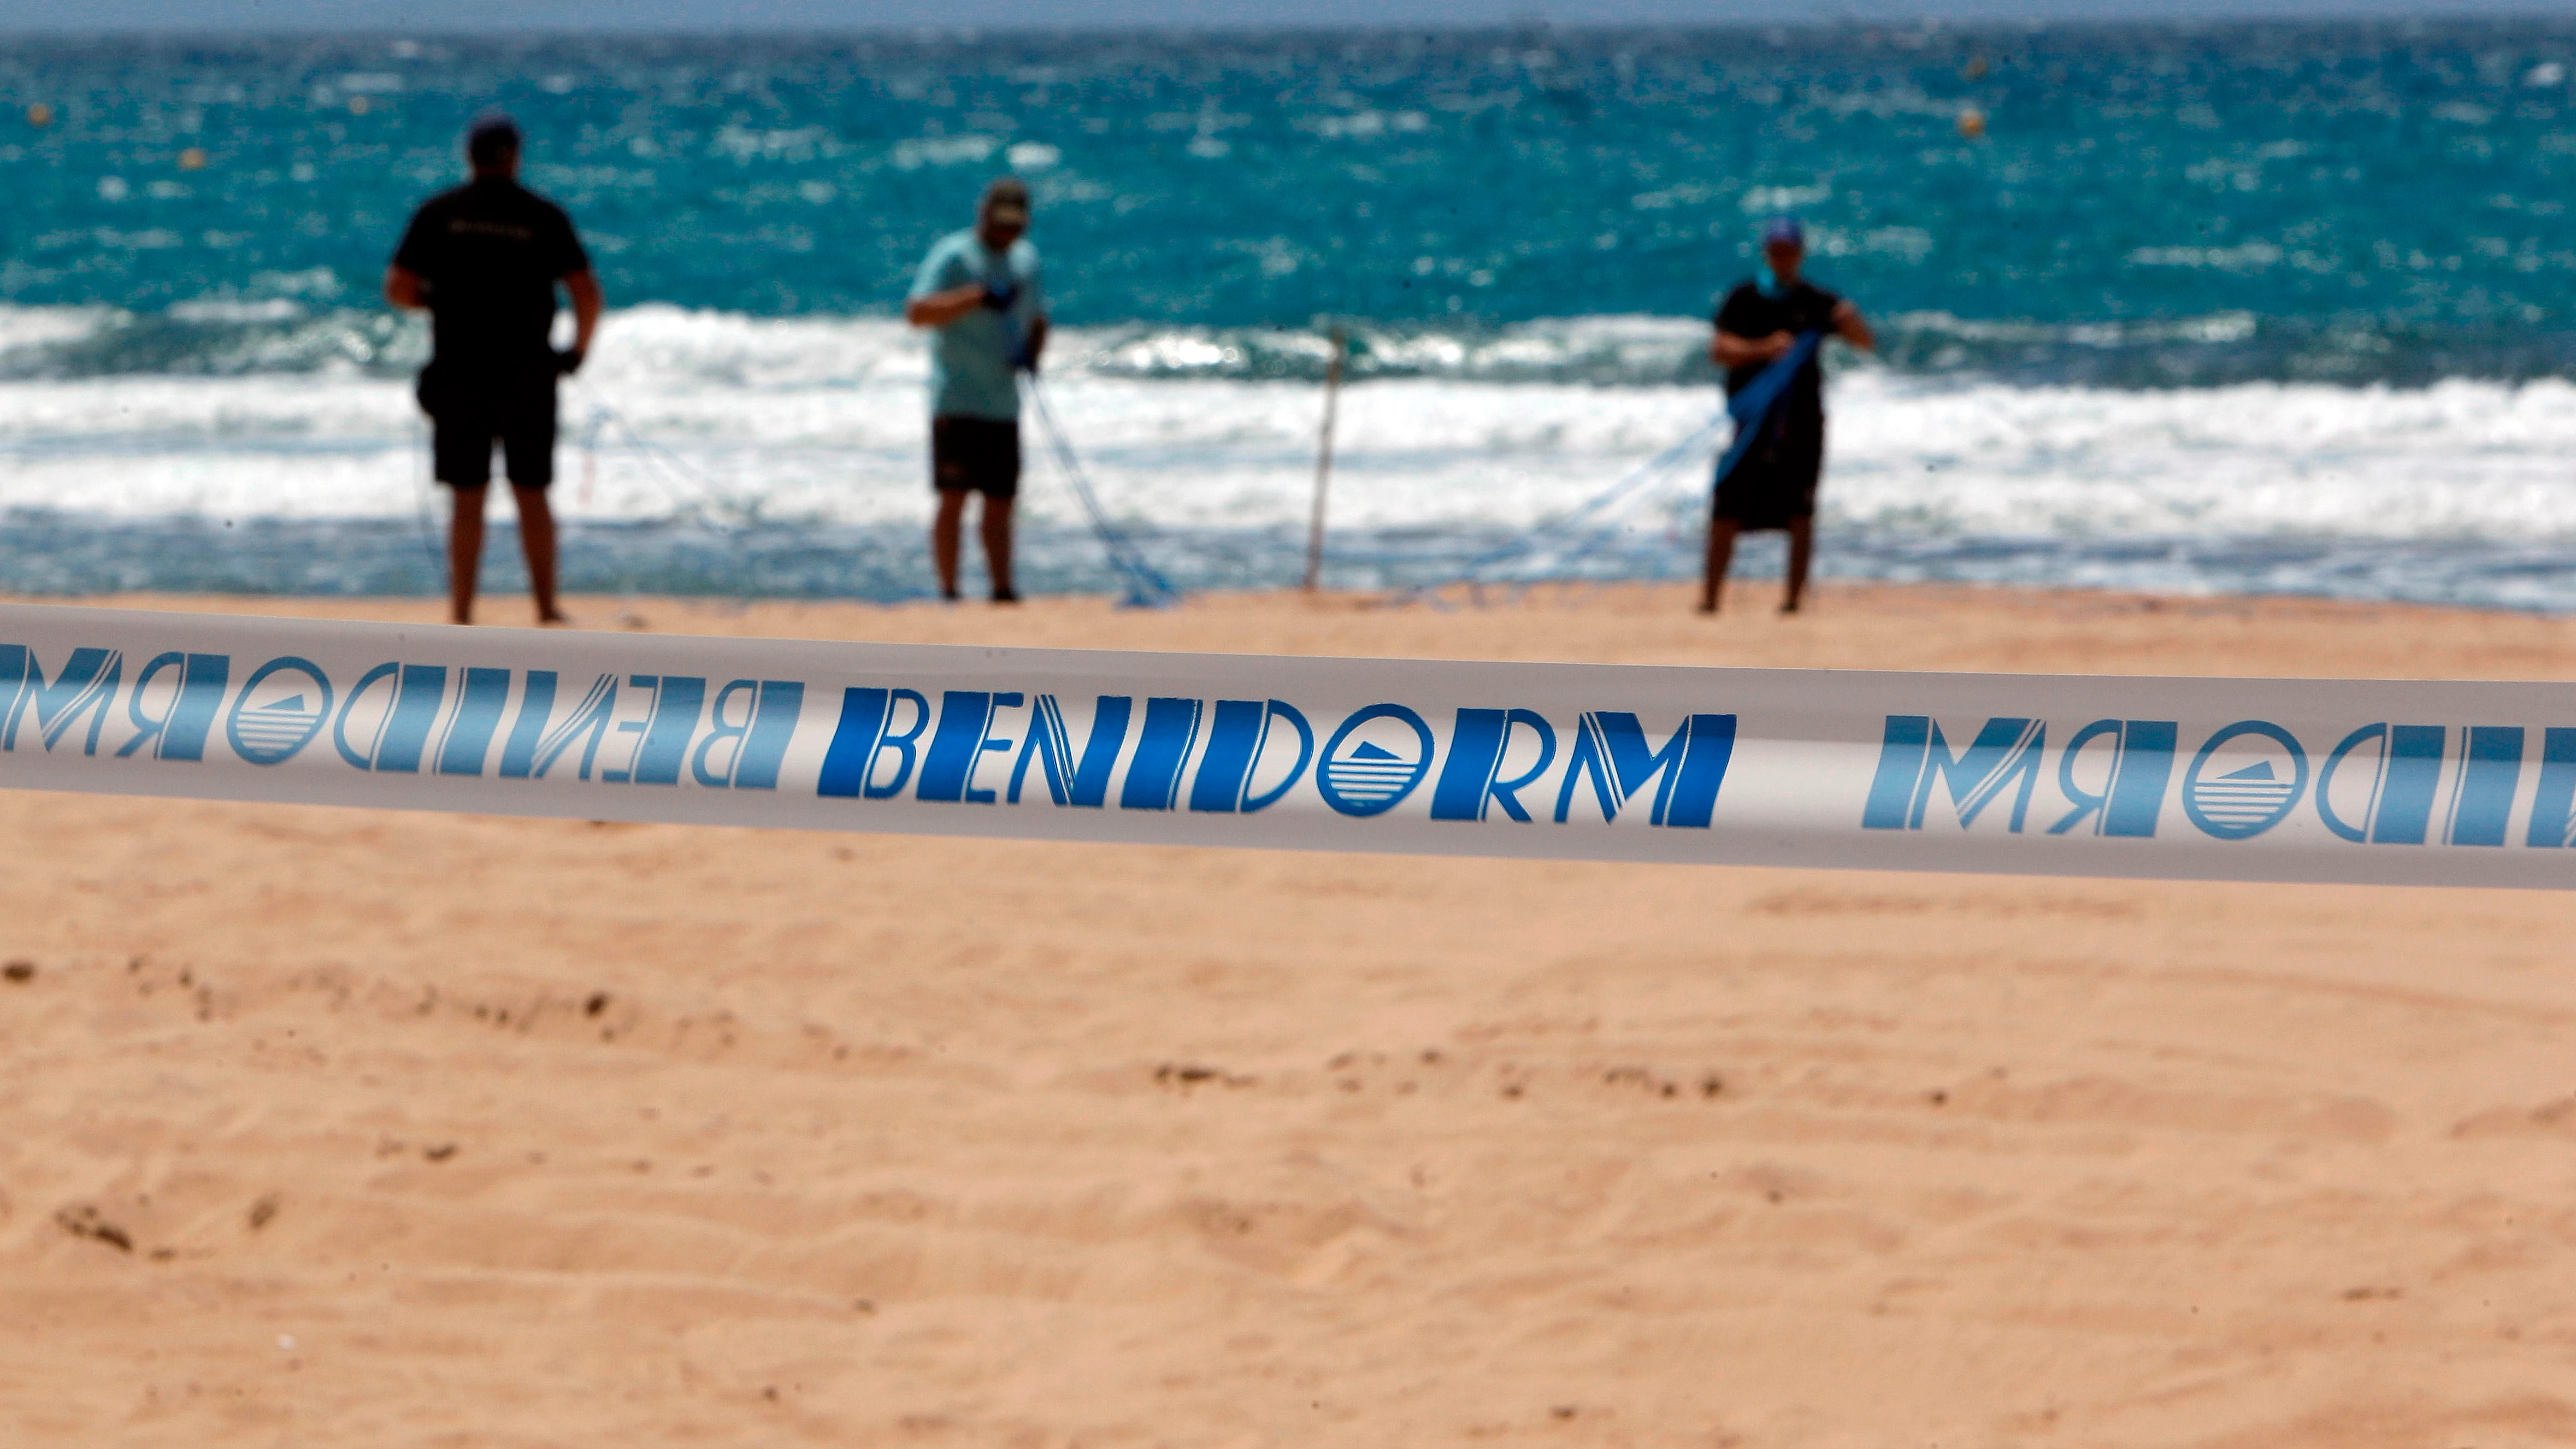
[325, 1127]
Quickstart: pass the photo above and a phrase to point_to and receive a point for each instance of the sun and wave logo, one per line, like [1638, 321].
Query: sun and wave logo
[1376, 758]
[279, 711]
[2245, 780]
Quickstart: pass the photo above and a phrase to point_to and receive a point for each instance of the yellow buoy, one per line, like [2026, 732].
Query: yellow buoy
[357, 105]
[1972, 124]
[193, 159]
[40, 114]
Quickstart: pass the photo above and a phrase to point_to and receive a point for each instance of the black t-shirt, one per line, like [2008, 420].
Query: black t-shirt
[491, 252]
[1804, 307]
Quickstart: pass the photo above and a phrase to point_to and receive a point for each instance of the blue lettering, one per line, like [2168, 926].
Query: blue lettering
[988, 744]
[759, 740]
[2400, 804]
[478, 716]
[180, 732]
[1162, 749]
[677, 702]
[2490, 772]
[340, 725]
[721, 730]
[2406, 791]
[864, 734]
[773, 727]
[587, 724]
[2553, 805]
[536, 702]
[1610, 752]
[1084, 782]
[2004, 750]
[2133, 797]
[1236, 735]
[1913, 757]
[1278, 709]
[415, 712]
[1469, 779]
[86, 686]
[1900, 764]
[963, 714]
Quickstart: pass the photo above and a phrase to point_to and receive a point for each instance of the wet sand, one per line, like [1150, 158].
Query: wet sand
[325, 1127]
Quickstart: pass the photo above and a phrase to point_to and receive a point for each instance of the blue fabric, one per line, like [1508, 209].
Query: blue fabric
[1752, 404]
[1767, 282]
[973, 360]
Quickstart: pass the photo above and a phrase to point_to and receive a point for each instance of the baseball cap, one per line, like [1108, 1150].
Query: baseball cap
[490, 138]
[1784, 229]
[1007, 199]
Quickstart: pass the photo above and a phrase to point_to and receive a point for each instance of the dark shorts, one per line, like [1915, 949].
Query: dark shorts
[469, 420]
[1774, 484]
[975, 455]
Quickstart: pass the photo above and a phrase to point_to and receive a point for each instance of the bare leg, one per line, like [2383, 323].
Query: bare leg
[537, 540]
[464, 553]
[997, 547]
[944, 534]
[1802, 548]
[1721, 554]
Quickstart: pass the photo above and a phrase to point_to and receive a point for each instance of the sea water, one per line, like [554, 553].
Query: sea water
[2277, 307]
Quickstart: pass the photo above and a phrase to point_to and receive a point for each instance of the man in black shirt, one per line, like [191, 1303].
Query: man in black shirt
[484, 259]
[1773, 481]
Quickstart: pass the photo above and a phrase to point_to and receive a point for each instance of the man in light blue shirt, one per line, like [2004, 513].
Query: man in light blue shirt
[980, 296]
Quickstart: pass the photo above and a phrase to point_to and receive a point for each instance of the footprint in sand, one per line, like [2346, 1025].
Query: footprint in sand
[83, 1221]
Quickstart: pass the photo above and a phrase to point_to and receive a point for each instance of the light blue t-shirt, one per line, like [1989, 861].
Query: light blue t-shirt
[970, 359]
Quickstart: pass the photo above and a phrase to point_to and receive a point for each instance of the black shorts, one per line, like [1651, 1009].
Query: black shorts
[975, 455]
[1774, 483]
[468, 419]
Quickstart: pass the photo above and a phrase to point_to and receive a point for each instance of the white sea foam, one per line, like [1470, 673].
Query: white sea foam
[823, 418]
[28, 327]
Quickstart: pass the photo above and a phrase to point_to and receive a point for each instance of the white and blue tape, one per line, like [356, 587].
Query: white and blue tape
[2394, 782]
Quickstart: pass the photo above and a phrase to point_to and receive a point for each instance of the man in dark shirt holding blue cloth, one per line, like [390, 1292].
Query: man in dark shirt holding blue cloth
[485, 259]
[1780, 455]
[980, 295]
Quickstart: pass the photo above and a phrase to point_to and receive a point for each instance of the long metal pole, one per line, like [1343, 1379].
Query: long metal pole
[1324, 465]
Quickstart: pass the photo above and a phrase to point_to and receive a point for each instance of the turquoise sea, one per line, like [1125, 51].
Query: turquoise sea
[2286, 307]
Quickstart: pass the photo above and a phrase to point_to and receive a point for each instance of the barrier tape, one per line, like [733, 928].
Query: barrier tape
[2230, 779]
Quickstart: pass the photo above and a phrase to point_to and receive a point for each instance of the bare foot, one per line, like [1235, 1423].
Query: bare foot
[1707, 606]
[556, 620]
[1790, 607]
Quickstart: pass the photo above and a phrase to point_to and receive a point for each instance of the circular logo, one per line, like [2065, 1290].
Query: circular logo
[2250, 787]
[279, 710]
[1374, 760]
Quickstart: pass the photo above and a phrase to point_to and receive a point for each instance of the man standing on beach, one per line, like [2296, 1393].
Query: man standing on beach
[1772, 483]
[484, 259]
[980, 295]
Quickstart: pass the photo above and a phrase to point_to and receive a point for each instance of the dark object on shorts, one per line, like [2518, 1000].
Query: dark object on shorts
[1774, 483]
[979, 455]
[517, 412]
[569, 360]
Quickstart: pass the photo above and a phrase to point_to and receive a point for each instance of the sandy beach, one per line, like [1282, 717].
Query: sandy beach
[326, 1127]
